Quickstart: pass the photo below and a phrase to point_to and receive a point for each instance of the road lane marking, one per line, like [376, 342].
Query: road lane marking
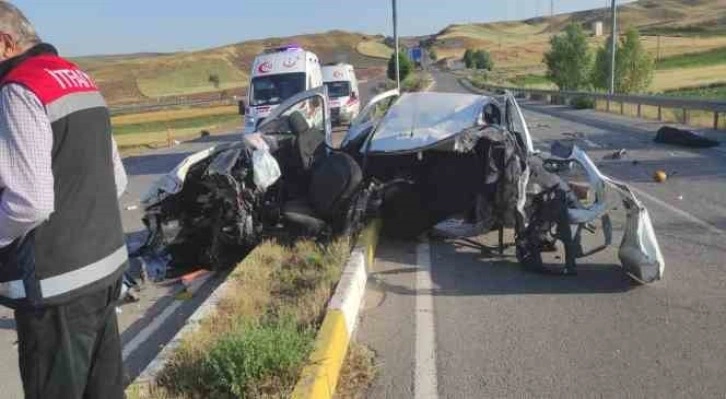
[150, 329]
[425, 378]
[678, 211]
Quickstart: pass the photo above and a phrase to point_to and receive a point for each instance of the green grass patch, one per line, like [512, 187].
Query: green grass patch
[176, 77]
[257, 357]
[685, 31]
[716, 91]
[530, 80]
[199, 122]
[706, 58]
[416, 81]
[258, 340]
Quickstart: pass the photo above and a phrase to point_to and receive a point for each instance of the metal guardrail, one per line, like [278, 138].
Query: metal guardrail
[155, 106]
[685, 104]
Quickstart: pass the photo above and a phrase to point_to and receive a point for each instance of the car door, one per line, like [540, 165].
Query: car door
[313, 104]
[515, 122]
[370, 115]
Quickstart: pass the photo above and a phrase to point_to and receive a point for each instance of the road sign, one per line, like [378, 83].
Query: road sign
[415, 54]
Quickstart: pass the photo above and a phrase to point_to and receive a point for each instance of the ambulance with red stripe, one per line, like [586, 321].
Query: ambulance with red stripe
[277, 74]
[342, 91]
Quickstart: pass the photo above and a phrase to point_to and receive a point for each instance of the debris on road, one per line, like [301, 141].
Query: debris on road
[576, 135]
[132, 207]
[686, 138]
[619, 154]
[660, 176]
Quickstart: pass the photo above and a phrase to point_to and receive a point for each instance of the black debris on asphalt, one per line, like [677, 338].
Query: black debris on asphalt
[682, 137]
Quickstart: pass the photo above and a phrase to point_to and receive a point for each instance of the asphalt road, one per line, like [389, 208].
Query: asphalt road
[449, 320]
[148, 324]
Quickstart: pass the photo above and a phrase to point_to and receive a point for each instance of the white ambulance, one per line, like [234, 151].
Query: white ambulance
[278, 74]
[342, 91]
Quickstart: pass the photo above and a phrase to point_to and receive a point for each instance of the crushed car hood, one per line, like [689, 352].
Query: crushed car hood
[419, 120]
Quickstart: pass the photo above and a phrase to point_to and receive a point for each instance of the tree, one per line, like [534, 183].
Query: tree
[483, 60]
[433, 55]
[469, 58]
[633, 65]
[404, 66]
[569, 59]
[214, 80]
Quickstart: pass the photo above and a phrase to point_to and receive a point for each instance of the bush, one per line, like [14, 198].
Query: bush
[583, 102]
[404, 66]
[483, 60]
[469, 58]
[248, 355]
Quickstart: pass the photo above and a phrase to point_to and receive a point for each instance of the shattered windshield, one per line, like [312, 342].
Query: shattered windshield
[421, 119]
[338, 89]
[274, 89]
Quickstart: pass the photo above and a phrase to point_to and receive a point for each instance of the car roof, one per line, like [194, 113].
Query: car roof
[418, 120]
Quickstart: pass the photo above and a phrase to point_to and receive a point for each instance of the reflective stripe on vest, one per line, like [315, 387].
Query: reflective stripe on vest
[61, 284]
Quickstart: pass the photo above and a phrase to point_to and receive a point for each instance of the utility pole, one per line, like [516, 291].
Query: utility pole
[613, 46]
[395, 39]
[657, 52]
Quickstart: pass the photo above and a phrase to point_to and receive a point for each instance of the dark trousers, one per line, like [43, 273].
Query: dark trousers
[72, 351]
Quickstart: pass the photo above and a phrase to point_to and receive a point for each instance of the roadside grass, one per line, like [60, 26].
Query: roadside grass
[712, 57]
[375, 49]
[416, 81]
[257, 341]
[172, 114]
[669, 79]
[715, 91]
[197, 122]
[358, 372]
[531, 80]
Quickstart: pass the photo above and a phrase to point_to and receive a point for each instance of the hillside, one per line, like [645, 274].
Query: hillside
[669, 28]
[143, 77]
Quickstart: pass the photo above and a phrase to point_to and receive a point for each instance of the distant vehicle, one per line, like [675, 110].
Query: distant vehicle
[278, 74]
[342, 91]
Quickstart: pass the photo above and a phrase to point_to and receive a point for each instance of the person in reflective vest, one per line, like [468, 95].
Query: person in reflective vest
[62, 246]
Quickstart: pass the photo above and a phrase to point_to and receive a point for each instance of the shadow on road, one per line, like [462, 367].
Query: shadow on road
[458, 271]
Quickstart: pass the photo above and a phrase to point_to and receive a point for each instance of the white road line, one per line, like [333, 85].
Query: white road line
[425, 378]
[150, 329]
[684, 214]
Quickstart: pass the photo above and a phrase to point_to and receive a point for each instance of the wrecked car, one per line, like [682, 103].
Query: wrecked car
[413, 159]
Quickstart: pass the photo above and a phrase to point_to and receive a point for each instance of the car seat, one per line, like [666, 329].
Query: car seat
[306, 147]
[334, 182]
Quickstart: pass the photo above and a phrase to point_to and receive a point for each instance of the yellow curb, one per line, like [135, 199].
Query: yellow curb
[319, 377]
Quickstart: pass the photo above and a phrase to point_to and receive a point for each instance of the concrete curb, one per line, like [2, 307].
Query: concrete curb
[319, 378]
[149, 373]
[334, 334]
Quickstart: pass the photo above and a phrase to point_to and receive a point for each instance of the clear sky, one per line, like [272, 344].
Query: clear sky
[83, 27]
